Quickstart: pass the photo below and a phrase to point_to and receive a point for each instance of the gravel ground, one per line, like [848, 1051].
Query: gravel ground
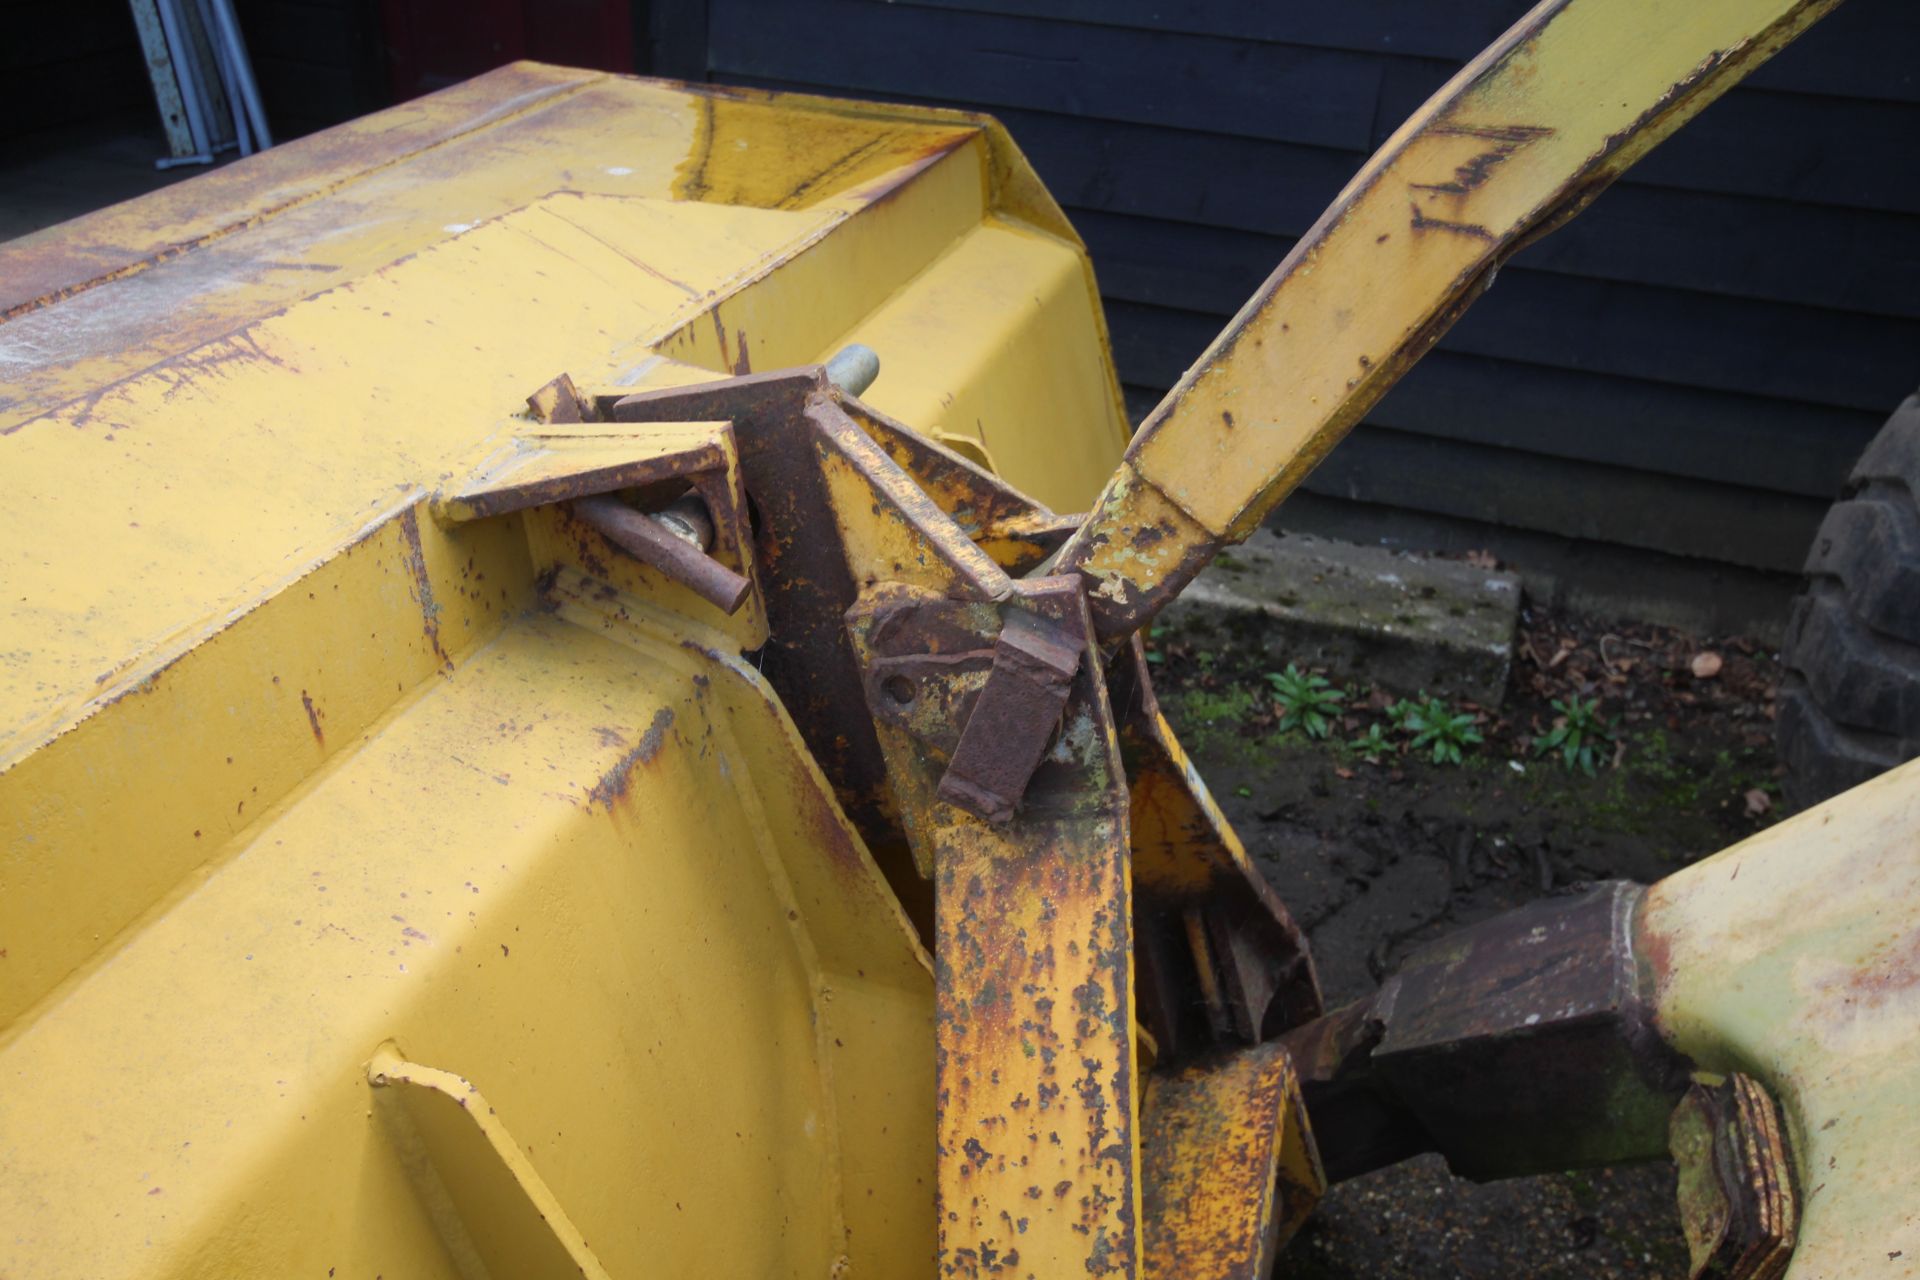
[1416, 1220]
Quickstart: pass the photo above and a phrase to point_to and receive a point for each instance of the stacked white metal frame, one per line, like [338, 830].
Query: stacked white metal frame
[202, 79]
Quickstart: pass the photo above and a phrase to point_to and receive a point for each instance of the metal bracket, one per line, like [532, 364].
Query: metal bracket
[1737, 1204]
[490, 1206]
[575, 458]
[1018, 711]
[1518, 1045]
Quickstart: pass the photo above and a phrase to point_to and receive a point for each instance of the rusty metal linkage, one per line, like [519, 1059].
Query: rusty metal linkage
[1523, 1044]
[1737, 1203]
[647, 539]
[1018, 710]
[806, 656]
[1519, 1045]
[1037, 1046]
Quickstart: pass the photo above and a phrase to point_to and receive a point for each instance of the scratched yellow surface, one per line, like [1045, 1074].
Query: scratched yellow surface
[585, 873]
[291, 771]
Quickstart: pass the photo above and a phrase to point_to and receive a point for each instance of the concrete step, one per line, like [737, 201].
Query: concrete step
[1403, 622]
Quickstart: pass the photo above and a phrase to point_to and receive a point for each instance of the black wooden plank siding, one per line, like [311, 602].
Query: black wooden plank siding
[318, 62]
[1849, 259]
[66, 67]
[1780, 446]
[1686, 371]
[1683, 336]
[1858, 43]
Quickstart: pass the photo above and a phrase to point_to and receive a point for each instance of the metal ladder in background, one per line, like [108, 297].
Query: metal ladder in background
[202, 80]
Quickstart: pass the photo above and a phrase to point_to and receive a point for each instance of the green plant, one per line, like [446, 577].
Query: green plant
[1580, 734]
[1155, 634]
[1307, 700]
[1373, 744]
[1398, 712]
[1441, 732]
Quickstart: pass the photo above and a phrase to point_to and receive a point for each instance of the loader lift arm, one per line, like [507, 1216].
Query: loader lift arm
[1522, 139]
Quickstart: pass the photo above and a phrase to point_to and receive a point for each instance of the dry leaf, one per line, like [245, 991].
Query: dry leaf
[1758, 802]
[1705, 665]
[1343, 773]
[1482, 560]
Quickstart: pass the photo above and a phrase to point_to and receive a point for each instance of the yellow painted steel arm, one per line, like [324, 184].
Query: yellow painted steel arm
[1794, 957]
[1524, 137]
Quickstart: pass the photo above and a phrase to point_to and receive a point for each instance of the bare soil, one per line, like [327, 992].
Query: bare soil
[1376, 858]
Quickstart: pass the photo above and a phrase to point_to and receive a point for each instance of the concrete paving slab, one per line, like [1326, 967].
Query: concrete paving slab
[1406, 623]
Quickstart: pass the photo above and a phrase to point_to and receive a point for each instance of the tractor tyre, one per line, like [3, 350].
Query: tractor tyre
[1849, 705]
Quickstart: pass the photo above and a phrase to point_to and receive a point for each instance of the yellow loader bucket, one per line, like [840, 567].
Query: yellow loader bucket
[366, 907]
[522, 758]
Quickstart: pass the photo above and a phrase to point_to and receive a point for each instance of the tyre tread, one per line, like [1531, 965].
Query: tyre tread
[1849, 704]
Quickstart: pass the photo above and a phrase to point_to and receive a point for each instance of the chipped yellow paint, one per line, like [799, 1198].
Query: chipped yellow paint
[1040, 1166]
[376, 316]
[551, 872]
[325, 412]
[1229, 1166]
[291, 768]
[1037, 1104]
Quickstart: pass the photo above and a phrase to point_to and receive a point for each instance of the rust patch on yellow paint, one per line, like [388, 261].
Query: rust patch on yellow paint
[1507, 139]
[613, 784]
[1228, 1167]
[313, 718]
[422, 588]
[93, 250]
[1891, 973]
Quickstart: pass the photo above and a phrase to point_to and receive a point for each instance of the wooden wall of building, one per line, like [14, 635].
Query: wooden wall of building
[66, 67]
